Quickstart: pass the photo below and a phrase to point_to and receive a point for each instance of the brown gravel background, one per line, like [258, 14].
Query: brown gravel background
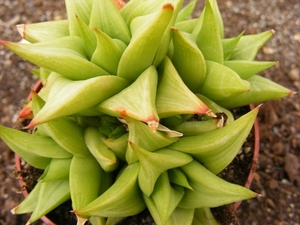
[278, 178]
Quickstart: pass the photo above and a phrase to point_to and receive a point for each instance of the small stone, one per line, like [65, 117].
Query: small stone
[269, 50]
[296, 37]
[278, 148]
[294, 74]
[273, 184]
[291, 166]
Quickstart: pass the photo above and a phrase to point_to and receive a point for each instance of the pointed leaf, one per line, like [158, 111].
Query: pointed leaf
[186, 12]
[65, 56]
[173, 96]
[229, 45]
[118, 146]
[165, 197]
[88, 37]
[51, 195]
[245, 69]
[30, 202]
[85, 181]
[58, 169]
[262, 89]
[44, 31]
[107, 18]
[143, 136]
[248, 45]
[122, 199]
[136, 101]
[203, 216]
[80, 8]
[209, 190]
[216, 149]
[188, 60]
[108, 53]
[178, 177]
[222, 83]
[64, 131]
[144, 43]
[67, 97]
[181, 216]
[34, 149]
[209, 39]
[152, 166]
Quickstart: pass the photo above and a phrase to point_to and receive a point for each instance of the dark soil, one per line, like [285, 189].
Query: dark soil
[278, 177]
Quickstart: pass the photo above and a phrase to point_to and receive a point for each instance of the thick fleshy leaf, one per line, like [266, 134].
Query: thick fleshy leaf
[34, 149]
[85, 181]
[141, 51]
[122, 199]
[177, 176]
[222, 82]
[203, 216]
[187, 25]
[262, 89]
[107, 18]
[30, 202]
[80, 8]
[51, 194]
[209, 39]
[186, 12]
[141, 135]
[218, 16]
[58, 169]
[108, 52]
[181, 216]
[65, 56]
[245, 69]
[216, 149]
[249, 45]
[229, 45]
[44, 31]
[104, 156]
[136, 101]
[165, 197]
[209, 190]
[188, 60]
[64, 131]
[67, 97]
[118, 146]
[130, 7]
[173, 96]
[88, 37]
[152, 166]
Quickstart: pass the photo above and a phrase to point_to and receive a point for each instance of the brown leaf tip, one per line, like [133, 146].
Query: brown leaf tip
[168, 6]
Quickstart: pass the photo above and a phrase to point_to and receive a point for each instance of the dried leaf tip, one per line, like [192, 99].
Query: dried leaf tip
[153, 124]
[21, 28]
[81, 221]
[211, 114]
[4, 43]
[292, 93]
[174, 29]
[168, 6]
[14, 210]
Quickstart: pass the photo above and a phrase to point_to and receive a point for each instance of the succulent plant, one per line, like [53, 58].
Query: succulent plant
[115, 125]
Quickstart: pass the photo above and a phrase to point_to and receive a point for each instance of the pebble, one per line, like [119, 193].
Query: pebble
[294, 74]
[291, 166]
